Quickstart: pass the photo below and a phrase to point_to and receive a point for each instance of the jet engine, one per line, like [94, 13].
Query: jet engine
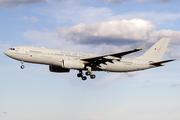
[53, 68]
[72, 64]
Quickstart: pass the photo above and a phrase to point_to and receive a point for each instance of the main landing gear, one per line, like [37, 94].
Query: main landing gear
[22, 65]
[80, 74]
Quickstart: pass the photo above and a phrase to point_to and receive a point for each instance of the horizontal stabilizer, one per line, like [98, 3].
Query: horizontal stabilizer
[161, 63]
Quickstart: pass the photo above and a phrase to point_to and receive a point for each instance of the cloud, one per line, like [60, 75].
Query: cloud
[120, 1]
[33, 19]
[175, 55]
[105, 32]
[174, 35]
[50, 37]
[155, 18]
[65, 12]
[13, 3]
[114, 1]
[175, 85]
[124, 34]
[132, 74]
[4, 46]
[114, 32]
[4, 112]
[147, 81]
[104, 37]
[153, 0]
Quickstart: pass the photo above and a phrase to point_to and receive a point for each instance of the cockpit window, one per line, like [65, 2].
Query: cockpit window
[11, 48]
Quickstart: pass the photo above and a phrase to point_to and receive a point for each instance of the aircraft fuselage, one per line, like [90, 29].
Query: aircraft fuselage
[56, 57]
[62, 61]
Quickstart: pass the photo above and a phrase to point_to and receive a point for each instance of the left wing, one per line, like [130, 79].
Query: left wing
[110, 57]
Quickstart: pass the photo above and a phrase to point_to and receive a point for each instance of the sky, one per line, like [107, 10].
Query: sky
[93, 26]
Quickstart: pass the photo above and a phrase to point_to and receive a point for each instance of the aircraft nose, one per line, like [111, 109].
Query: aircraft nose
[9, 53]
[6, 52]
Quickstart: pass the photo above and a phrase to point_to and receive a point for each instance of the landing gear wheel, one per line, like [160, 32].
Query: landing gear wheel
[84, 78]
[22, 67]
[92, 76]
[79, 75]
[88, 73]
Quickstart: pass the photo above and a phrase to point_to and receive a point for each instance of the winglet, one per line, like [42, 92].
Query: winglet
[141, 47]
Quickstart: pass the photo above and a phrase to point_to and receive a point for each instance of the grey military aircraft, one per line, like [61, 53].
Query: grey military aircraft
[62, 61]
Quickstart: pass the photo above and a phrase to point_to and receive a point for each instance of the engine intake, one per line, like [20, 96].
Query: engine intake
[53, 68]
[72, 64]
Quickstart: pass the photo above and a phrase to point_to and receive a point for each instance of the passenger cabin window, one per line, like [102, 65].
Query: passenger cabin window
[11, 48]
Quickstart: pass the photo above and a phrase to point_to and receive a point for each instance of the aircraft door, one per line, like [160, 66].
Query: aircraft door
[135, 64]
[22, 50]
[48, 53]
[131, 65]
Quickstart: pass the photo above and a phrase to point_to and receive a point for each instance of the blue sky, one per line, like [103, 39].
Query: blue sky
[95, 26]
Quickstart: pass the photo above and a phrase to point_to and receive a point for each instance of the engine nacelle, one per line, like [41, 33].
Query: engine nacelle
[53, 68]
[72, 64]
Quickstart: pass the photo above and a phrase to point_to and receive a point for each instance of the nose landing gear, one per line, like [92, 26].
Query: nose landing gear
[22, 65]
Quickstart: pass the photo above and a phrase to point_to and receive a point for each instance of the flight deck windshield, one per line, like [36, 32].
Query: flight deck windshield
[11, 48]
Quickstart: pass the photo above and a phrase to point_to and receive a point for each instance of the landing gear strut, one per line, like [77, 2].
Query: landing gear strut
[80, 74]
[22, 65]
[84, 77]
[92, 76]
[88, 73]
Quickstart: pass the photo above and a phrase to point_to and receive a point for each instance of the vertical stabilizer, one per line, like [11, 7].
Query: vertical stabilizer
[156, 52]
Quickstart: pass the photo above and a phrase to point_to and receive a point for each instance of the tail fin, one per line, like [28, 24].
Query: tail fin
[156, 52]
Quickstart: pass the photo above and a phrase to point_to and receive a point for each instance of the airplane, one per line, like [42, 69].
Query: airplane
[61, 61]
